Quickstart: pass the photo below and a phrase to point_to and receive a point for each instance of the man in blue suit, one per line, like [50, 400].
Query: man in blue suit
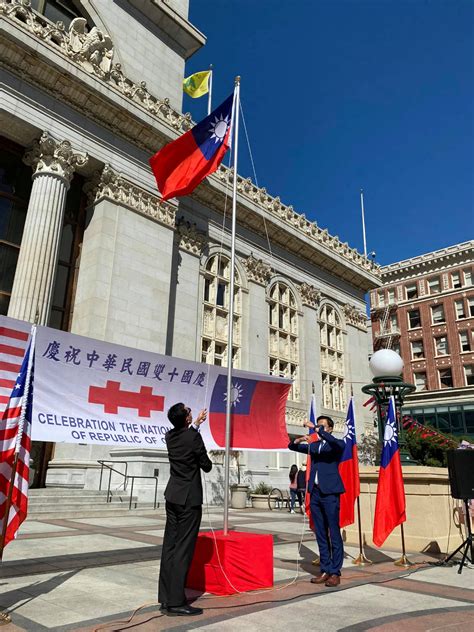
[325, 487]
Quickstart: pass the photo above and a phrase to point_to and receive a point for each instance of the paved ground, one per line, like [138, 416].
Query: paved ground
[92, 573]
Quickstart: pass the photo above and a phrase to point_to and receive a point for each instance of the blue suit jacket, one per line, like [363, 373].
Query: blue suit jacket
[325, 462]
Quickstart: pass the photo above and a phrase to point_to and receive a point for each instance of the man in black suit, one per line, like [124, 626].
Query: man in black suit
[325, 487]
[187, 456]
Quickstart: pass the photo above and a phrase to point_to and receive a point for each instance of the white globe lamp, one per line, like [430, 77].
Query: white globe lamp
[386, 363]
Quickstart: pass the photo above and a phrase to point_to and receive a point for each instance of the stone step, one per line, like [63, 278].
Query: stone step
[86, 500]
[96, 512]
[60, 491]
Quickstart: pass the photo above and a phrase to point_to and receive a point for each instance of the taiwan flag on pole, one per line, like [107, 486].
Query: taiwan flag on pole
[258, 413]
[390, 502]
[349, 469]
[184, 163]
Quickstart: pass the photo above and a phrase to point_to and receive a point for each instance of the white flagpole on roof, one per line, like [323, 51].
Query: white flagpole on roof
[235, 124]
[209, 94]
[363, 221]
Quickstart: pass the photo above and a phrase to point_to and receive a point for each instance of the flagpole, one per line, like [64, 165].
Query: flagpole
[209, 94]
[363, 221]
[403, 561]
[235, 140]
[360, 560]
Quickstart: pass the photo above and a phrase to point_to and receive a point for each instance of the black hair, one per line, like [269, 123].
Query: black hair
[328, 419]
[293, 472]
[177, 415]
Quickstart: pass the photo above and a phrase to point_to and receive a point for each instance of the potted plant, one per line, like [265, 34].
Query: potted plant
[261, 498]
[239, 490]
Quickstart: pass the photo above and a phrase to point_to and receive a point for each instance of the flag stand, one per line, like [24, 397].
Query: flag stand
[235, 121]
[403, 561]
[360, 560]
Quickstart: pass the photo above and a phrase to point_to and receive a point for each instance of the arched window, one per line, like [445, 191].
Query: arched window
[283, 338]
[216, 313]
[332, 358]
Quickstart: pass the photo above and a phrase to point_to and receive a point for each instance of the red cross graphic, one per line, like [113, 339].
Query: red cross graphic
[113, 398]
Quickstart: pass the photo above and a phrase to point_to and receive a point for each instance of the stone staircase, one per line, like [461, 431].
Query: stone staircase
[60, 502]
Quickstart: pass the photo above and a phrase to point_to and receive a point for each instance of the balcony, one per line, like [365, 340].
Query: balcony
[387, 333]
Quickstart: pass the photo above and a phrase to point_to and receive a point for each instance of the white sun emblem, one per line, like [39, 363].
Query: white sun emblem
[235, 394]
[390, 434]
[219, 128]
[348, 433]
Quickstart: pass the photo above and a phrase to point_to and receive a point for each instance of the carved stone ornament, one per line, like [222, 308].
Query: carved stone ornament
[355, 317]
[257, 270]
[110, 185]
[49, 156]
[189, 237]
[93, 50]
[309, 295]
[296, 417]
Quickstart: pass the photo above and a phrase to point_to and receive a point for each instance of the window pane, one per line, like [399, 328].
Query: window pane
[4, 302]
[437, 314]
[411, 291]
[8, 260]
[434, 285]
[446, 378]
[414, 318]
[442, 345]
[459, 308]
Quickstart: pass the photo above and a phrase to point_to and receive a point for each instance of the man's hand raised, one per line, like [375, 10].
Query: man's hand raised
[201, 418]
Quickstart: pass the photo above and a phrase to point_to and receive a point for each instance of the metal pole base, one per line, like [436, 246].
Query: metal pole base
[404, 561]
[361, 560]
[5, 618]
[316, 561]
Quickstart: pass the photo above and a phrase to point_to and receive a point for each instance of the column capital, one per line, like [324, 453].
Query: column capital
[355, 317]
[53, 157]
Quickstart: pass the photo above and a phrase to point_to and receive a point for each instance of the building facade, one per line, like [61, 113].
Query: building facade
[425, 312]
[87, 246]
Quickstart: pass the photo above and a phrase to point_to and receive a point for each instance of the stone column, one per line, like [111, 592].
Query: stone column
[310, 353]
[53, 164]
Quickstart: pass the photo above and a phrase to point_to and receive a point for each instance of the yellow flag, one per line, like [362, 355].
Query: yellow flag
[198, 84]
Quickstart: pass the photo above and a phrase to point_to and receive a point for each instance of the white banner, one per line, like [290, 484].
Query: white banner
[88, 391]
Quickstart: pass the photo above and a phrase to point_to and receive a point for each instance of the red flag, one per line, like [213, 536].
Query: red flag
[15, 445]
[390, 501]
[258, 413]
[349, 470]
[313, 437]
[184, 163]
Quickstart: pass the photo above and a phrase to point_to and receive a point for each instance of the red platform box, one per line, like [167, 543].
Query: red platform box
[247, 560]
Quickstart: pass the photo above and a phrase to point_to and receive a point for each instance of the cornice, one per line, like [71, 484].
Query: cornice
[110, 185]
[456, 254]
[98, 88]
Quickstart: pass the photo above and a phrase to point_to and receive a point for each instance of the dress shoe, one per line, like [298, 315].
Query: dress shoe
[320, 579]
[183, 611]
[163, 607]
[333, 581]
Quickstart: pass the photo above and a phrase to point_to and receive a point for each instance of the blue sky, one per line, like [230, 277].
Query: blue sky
[340, 95]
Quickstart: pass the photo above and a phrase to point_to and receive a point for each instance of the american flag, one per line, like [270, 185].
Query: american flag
[15, 432]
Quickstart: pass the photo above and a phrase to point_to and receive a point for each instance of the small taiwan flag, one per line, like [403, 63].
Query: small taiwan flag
[349, 469]
[257, 413]
[184, 163]
[390, 500]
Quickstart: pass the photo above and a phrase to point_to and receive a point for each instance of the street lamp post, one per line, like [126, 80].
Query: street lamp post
[386, 367]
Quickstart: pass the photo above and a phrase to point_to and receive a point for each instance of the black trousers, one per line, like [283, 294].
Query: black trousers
[182, 528]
